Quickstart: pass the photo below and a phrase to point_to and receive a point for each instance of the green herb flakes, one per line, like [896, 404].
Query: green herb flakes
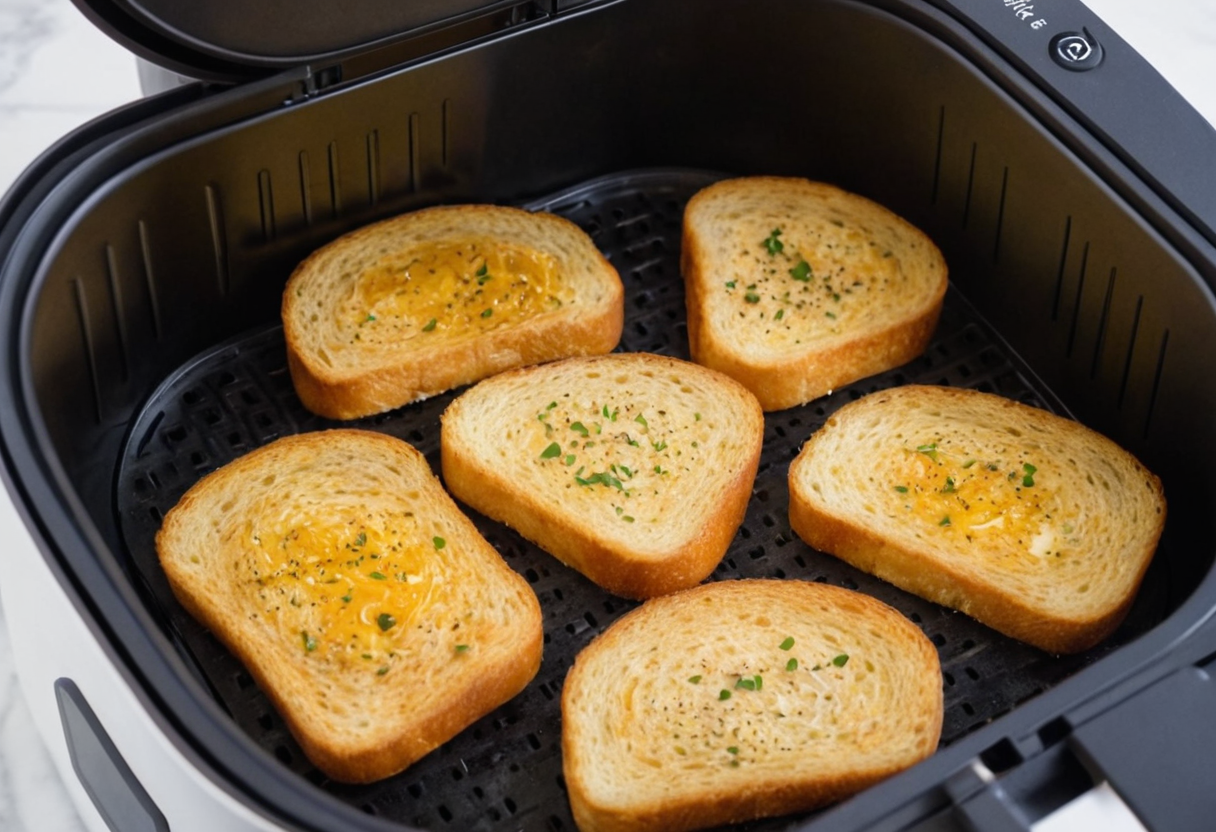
[969, 463]
[945, 521]
[660, 445]
[439, 543]
[628, 519]
[929, 450]
[759, 682]
[377, 576]
[696, 680]
[780, 314]
[641, 420]
[462, 648]
[788, 643]
[751, 297]
[771, 244]
[346, 599]
[734, 749]
[385, 621]
[487, 313]
[310, 643]
[370, 318]
[484, 270]
[430, 324]
[696, 417]
[791, 665]
[949, 489]
[570, 459]
[745, 684]
[801, 272]
[580, 429]
[1028, 480]
[383, 669]
[841, 660]
[831, 315]
[902, 489]
[723, 695]
[553, 450]
[730, 284]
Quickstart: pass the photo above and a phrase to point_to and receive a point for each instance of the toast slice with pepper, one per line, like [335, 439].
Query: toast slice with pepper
[1031, 523]
[634, 469]
[744, 699]
[368, 608]
[795, 288]
[424, 302]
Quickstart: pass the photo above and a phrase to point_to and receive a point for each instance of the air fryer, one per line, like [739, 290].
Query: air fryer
[1071, 190]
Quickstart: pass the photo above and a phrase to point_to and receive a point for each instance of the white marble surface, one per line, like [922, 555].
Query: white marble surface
[57, 72]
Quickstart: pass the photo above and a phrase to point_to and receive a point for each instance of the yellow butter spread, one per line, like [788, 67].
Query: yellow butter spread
[451, 288]
[978, 498]
[347, 587]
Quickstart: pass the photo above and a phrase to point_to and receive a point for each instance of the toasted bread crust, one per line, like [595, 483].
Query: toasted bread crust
[491, 485]
[596, 740]
[792, 376]
[934, 572]
[590, 327]
[407, 723]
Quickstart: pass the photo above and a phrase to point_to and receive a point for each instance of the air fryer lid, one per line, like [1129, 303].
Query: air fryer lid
[232, 40]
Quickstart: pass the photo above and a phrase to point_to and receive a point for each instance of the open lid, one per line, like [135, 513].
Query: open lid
[234, 40]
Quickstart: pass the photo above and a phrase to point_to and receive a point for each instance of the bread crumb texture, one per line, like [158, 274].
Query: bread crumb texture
[334, 565]
[993, 497]
[745, 699]
[635, 452]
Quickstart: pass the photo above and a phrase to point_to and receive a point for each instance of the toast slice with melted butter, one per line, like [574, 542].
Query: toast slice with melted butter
[634, 469]
[1033, 524]
[796, 288]
[366, 605]
[427, 301]
[744, 699]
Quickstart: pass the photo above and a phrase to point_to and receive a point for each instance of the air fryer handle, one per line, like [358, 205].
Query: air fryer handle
[1101, 81]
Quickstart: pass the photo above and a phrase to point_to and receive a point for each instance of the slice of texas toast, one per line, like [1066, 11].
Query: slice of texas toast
[1031, 523]
[424, 302]
[795, 288]
[367, 607]
[744, 699]
[634, 469]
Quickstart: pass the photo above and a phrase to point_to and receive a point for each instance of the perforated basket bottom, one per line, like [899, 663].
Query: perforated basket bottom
[504, 772]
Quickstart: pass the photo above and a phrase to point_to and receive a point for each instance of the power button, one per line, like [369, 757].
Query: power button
[1077, 51]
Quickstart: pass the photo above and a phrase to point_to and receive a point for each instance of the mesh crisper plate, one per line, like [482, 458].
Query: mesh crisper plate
[504, 772]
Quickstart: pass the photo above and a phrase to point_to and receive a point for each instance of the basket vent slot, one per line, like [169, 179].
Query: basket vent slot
[219, 239]
[145, 249]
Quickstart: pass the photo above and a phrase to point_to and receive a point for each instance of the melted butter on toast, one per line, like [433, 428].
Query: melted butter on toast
[447, 289]
[349, 586]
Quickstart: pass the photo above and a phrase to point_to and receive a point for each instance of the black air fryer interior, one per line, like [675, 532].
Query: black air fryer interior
[152, 355]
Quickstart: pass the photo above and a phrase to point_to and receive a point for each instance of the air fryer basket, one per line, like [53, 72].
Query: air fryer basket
[150, 352]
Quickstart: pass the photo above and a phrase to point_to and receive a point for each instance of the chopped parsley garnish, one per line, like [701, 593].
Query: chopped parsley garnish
[945, 521]
[696, 680]
[485, 268]
[383, 669]
[580, 428]
[361, 539]
[570, 459]
[759, 682]
[370, 317]
[730, 284]
[902, 489]
[660, 445]
[928, 450]
[788, 643]
[723, 695]
[487, 313]
[949, 489]
[841, 660]
[439, 542]
[601, 478]
[745, 684]
[627, 519]
[791, 665]
[696, 417]
[611, 417]
[430, 324]
[751, 297]
[969, 463]
[310, 643]
[553, 450]
[801, 272]
[734, 749]
[377, 576]
[1028, 480]
[462, 648]
[771, 244]
[641, 420]
[346, 598]
[780, 314]
[386, 621]
[831, 315]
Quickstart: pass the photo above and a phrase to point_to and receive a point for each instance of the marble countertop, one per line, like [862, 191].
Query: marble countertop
[58, 72]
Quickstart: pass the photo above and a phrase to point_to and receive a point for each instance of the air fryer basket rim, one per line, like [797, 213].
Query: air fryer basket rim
[46, 494]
